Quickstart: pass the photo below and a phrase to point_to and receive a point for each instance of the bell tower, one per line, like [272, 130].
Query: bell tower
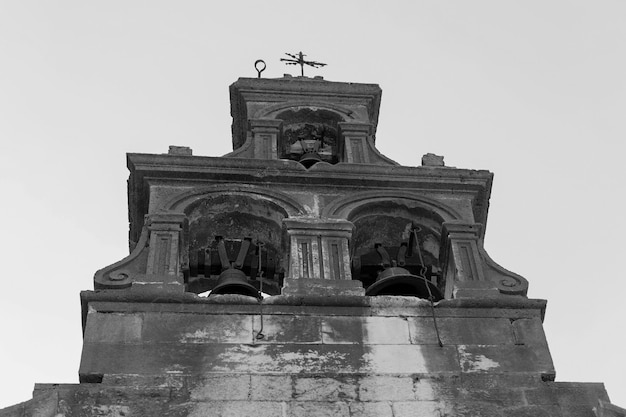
[306, 274]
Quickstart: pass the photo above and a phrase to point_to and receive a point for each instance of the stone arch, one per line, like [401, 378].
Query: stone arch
[393, 219]
[181, 201]
[241, 217]
[345, 207]
[270, 112]
[308, 128]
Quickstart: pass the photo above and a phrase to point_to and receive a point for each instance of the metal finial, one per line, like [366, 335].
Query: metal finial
[299, 60]
[259, 69]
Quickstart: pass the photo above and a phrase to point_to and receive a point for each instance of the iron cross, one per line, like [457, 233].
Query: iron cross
[299, 60]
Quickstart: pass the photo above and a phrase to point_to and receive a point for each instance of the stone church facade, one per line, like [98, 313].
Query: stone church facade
[339, 283]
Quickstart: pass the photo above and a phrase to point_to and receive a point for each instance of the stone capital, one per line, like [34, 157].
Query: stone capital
[461, 230]
[319, 227]
[351, 128]
[265, 125]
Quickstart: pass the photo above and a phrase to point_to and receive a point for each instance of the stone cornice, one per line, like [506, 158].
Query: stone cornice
[116, 301]
[199, 167]
[175, 169]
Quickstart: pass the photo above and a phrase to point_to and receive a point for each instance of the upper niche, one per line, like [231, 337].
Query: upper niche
[309, 131]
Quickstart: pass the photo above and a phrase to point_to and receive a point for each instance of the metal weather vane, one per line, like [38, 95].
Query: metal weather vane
[299, 60]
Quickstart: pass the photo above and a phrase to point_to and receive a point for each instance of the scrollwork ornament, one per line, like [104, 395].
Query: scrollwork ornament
[120, 275]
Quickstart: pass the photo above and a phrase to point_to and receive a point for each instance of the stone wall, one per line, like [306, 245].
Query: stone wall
[185, 355]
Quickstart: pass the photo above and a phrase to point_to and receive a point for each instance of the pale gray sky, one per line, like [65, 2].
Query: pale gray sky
[533, 91]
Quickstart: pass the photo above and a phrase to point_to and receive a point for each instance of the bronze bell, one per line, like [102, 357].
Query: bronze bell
[234, 281]
[398, 281]
[308, 159]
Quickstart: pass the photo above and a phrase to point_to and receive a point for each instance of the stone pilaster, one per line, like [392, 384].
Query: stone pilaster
[163, 264]
[462, 263]
[353, 142]
[265, 134]
[319, 258]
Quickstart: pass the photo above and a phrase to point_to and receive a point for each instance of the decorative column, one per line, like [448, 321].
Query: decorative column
[353, 143]
[319, 258]
[462, 264]
[163, 270]
[265, 134]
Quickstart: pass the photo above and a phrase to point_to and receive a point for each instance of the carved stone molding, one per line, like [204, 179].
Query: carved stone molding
[265, 137]
[181, 201]
[319, 248]
[353, 143]
[506, 281]
[343, 207]
[155, 261]
[121, 274]
[468, 270]
[319, 251]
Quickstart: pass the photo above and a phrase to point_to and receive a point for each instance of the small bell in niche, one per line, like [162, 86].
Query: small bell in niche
[310, 148]
[310, 143]
[232, 279]
[395, 280]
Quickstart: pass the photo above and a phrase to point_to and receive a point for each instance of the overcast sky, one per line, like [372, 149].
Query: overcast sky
[533, 91]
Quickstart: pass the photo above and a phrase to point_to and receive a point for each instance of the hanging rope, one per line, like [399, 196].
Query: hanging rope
[422, 275]
[260, 245]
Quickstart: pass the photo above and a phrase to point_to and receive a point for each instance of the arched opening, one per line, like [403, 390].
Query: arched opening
[309, 135]
[395, 234]
[246, 230]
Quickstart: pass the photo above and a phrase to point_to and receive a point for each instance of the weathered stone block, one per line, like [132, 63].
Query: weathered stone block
[410, 359]
[180, 150]
[367, 330]
[317, 409]
[371, 409]
[578, 411]
[237, 409]
[505, 358]
[386, 388]
[171, 379]
[567, 394]
[221, 387]
[426, 389]
[113, 327]
[289, 329]
[323, 287]
[455, 390]
[605, 409]
[271, 387]
[483, 381]
[417, 408]
[339, 388]
[461, 331]
[432, 160]
[529, 332]
[197, 328]
[107, 410]
[532, 411]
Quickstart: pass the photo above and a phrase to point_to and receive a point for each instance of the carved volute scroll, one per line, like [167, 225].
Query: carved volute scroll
[467, 269]
[155, 261]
